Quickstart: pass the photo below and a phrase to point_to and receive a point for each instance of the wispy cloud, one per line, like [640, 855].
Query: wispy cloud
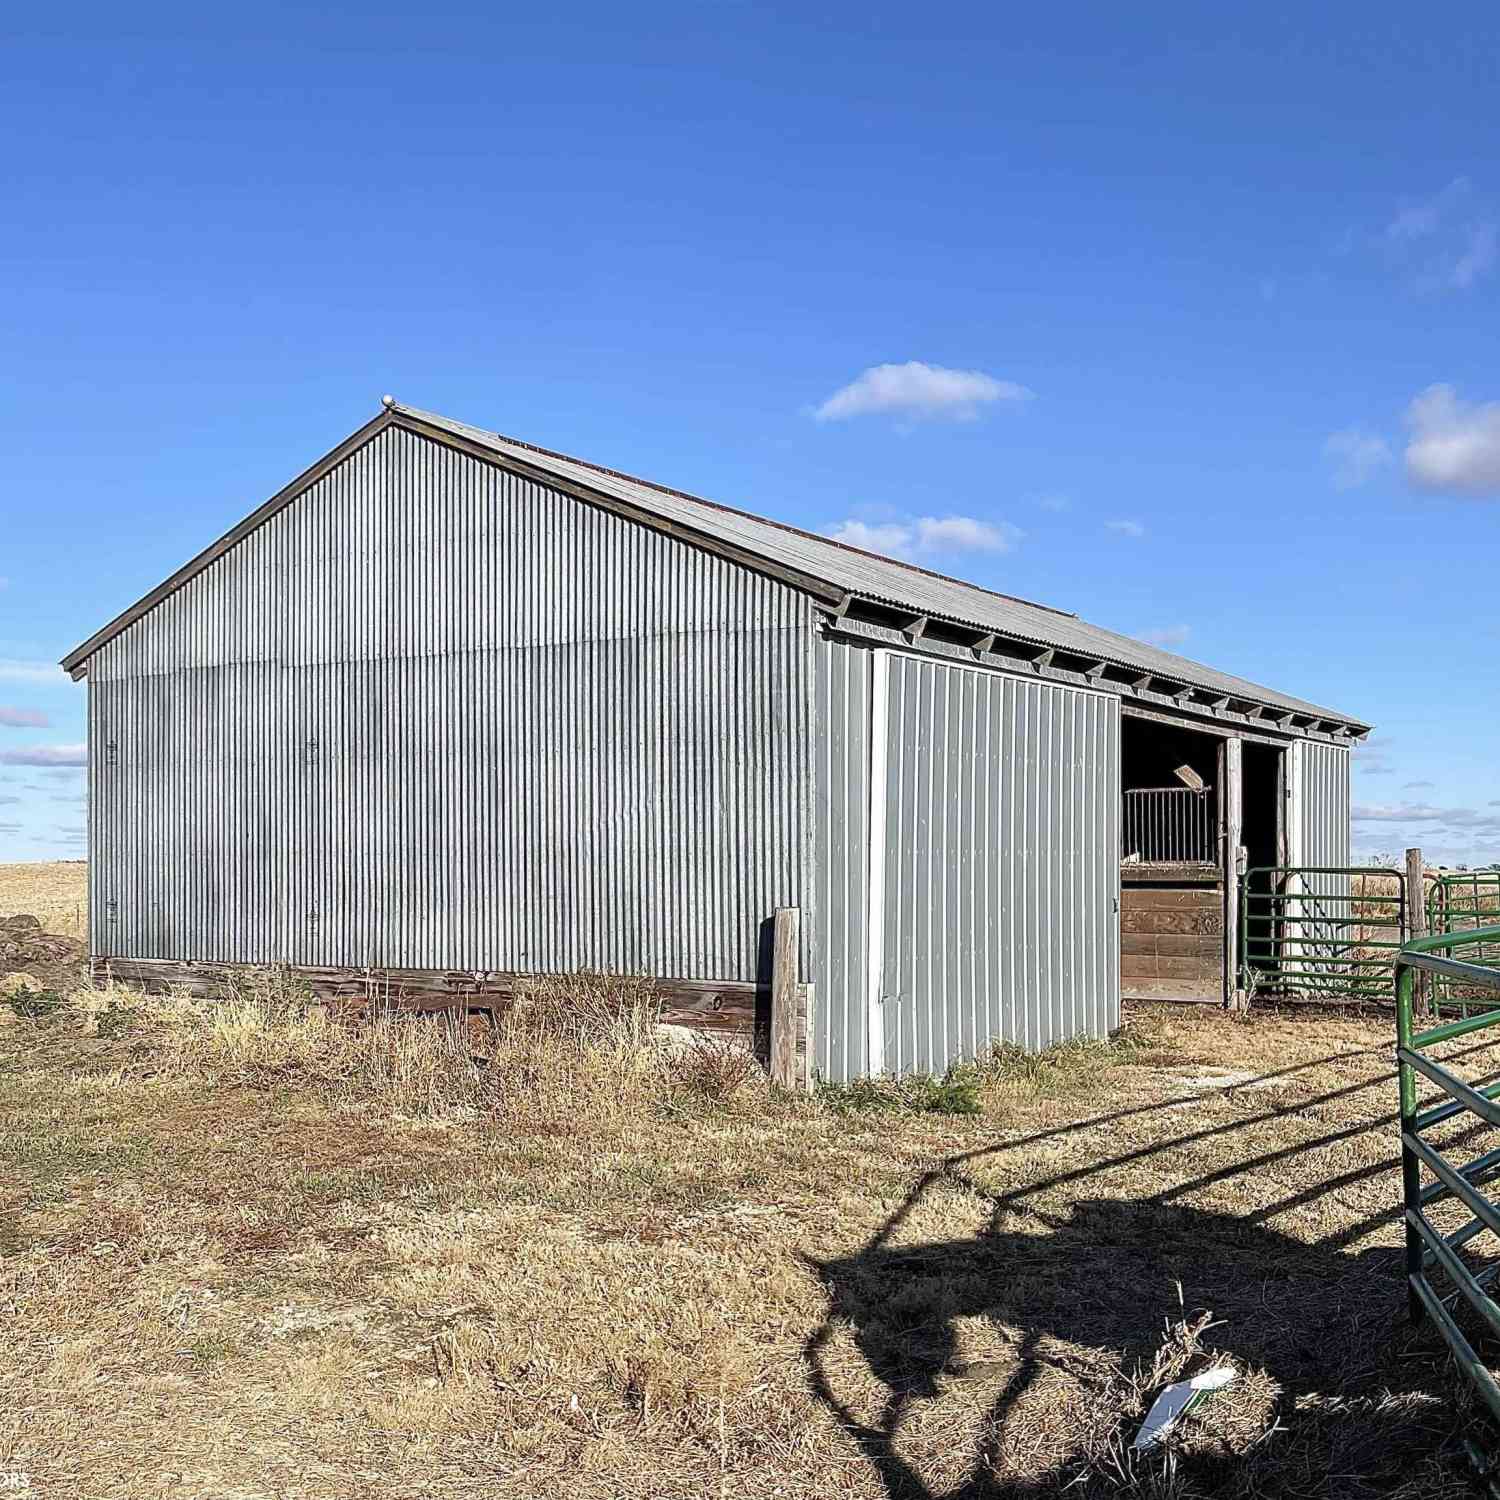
[1478, 258]
[919, 390]
[1057, 504]
[46, 755]
[1357, 456]
[1454, 445]
[1125, 528]
[928, 535]
[23, 718]
[13, 670]
[1416, 786]
[1419, 218]
[1447, 241]
[1168, 635]
[1471, 820]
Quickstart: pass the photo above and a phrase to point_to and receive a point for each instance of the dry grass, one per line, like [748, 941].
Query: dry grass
[54, 892]
[251, 1253]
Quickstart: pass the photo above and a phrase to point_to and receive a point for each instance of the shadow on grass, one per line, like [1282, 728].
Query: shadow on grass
[1365, 1401]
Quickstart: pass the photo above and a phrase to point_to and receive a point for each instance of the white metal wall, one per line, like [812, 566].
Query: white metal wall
[432, 715]
[839, 920]
[1320, 778]
[992, 862]
[1323, 803]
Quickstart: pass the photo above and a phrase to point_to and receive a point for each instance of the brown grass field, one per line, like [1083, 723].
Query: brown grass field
[251, 1255]
[55, 892]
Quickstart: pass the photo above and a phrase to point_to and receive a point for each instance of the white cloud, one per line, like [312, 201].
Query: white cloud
[1421, 217]
[890, 537]
[1055, 503]
[927, 535]
[919, 390]
[12, 670]
[1357, 456]
[1412, 786]
[1455, 446]
[1476, 260]
[23, 718]
[46, 755]
[1168, 635]
[1125, 528]
[964, 534]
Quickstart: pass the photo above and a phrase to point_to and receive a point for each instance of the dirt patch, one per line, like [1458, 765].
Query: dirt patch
[53, 960]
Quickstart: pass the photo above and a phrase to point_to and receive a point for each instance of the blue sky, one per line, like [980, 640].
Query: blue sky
[1191, 315]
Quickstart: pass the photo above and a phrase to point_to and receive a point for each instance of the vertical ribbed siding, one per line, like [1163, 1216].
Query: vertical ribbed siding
[433, 715]
[1325, 840]
[1325, 804]
[840, 930]
[1001, 811]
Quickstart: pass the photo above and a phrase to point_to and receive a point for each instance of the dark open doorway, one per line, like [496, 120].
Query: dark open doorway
[1172, 868]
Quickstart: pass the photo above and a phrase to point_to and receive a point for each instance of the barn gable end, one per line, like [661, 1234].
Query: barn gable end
[427, 713]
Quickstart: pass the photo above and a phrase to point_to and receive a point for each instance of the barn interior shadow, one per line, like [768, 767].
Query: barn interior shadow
[1323, 1322]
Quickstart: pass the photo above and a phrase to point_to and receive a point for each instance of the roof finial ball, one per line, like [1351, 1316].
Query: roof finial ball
[388, 402]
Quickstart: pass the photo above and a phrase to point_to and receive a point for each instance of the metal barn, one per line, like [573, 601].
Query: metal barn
[451, 709]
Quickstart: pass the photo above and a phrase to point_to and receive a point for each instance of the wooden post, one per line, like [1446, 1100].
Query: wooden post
[1416, 914]
[785, 938]
[1234, 818]
[809, 996]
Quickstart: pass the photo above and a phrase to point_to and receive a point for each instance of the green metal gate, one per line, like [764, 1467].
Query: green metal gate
[1429, 1250]
[1463, 901]
[1320, 932]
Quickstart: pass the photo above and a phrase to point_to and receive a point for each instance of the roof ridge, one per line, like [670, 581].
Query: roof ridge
[733, 510]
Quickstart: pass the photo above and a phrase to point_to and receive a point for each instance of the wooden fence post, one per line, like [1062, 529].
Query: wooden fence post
[785, 942]
[1232, 791]
[1416, 912]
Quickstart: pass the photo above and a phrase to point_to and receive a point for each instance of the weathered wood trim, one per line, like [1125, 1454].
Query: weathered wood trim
[1169, 873]
[1233, 800]
[785, 944]
[717, 1006]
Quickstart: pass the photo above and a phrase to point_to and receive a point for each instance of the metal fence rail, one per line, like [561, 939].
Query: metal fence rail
[1428, 1249]
[1461, 901]
[1318, 931]
[1170, 825]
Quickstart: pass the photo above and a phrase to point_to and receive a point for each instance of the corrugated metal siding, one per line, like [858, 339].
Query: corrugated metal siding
[1002, 864]
[431, 715]
[1323, 807]
[1325, 804]
[840, 930]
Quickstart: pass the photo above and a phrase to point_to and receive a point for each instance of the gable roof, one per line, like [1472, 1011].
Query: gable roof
[833, 570]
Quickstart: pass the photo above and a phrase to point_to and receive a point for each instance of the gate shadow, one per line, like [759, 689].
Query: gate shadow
[1364, 1399]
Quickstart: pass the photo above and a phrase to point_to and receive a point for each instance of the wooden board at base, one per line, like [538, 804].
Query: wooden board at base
[1172, 943]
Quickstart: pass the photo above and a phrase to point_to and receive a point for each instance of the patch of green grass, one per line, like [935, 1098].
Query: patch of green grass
[36, 1005]
[1064, 1066]
[1061, 1068]
[210, 1348]
[115, 1021]
[955, 1093]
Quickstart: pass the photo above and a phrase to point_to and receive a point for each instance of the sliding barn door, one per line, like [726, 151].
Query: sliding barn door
[998, 848]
